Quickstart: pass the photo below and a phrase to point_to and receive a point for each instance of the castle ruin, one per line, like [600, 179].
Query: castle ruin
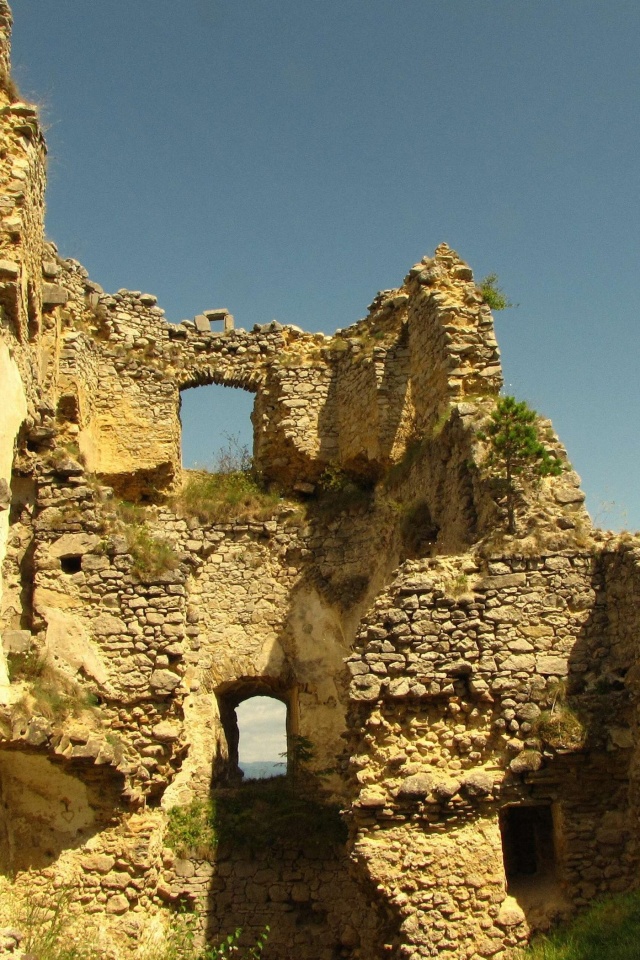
[473, 695]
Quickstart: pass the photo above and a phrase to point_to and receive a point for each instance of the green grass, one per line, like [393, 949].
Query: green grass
[561, 728]
[221, 497]
[152, 555]
[609, 930]
[191, 830]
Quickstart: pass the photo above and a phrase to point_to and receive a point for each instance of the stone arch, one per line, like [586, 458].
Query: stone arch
[234, 692]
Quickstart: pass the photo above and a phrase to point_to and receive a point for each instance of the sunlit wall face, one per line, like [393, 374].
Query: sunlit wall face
[262, 723]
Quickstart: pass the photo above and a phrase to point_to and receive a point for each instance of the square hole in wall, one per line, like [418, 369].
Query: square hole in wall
[71, 564]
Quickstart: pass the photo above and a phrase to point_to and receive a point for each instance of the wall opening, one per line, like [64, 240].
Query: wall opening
[211, 415]
[262, 731]
[258, 722]
[528, 844]
[71, 564]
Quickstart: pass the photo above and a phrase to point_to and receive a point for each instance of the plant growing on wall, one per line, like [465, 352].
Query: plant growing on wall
[493, 295]
[515, 451]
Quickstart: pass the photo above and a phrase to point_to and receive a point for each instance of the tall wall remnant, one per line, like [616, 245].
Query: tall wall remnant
[473, 694]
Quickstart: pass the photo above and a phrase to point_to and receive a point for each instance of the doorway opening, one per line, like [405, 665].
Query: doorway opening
[528, 844]
[262, 731]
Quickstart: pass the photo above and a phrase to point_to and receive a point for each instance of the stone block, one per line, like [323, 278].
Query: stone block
[50, 269]
[9, 270]
[53, 295]
[202, 323]
[164, 681]
[415, 787]
[16, 641]
[552, 666]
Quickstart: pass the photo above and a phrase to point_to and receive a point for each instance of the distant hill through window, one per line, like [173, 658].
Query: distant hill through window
[262, 724]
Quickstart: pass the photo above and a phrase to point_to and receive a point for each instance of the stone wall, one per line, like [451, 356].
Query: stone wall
[457, 682]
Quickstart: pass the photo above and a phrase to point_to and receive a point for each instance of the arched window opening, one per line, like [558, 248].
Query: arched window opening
[215, 420]
[262, 730]
[256, 716]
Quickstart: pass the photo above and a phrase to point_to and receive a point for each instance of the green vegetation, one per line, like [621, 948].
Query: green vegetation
[231, 491]
[49, 694]
[152, 555]
[191, 830]
[220, 497]
[179, 944]
[609, 930]
[46, 921]
[339, 491]
[515, 450]
[561, 728]
[492, 295]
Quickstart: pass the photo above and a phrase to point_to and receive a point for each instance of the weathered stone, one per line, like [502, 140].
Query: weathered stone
[98, 863]
[53, 295]
[417, 786]
[166, 732]
[118, 904]
[477, 784]
[17, 641]
[164, 680]
[528, 761]
[556, 666]
[9, 269]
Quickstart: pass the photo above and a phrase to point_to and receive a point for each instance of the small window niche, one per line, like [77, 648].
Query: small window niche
[528, 846]
[71, 564]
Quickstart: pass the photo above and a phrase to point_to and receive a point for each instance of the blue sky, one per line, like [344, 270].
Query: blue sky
[288, 159]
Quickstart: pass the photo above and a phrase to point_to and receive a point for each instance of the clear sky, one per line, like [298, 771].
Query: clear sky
[287, 159]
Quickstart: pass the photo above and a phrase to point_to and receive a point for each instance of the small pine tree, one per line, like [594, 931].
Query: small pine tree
[515, 450]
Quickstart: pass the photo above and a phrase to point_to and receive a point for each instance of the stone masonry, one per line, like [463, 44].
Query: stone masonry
[471, 696]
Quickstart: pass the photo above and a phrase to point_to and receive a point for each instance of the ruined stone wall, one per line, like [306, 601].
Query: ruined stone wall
[447, 673]
[466, 674]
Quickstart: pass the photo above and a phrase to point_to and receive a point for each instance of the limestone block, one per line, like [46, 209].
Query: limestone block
[53, 295]
[74, 544]
[118, 904]
[50, 269]
[164, 681]
[477, 783]
[365, 688]
[555, 666]
[510, 913]
[203, 325]
[107, 625]
[166, 732]
[528, 761]
[9, 269]
[67, 639]
[16, 641]
[415, 787]
[445, 789]
[98, 863]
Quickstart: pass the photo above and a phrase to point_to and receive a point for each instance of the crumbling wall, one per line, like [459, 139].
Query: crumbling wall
[484, 673]
[466, 673]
